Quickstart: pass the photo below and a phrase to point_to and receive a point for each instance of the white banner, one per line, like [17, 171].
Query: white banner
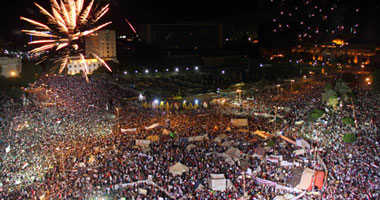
[128, 130]
[152, 126]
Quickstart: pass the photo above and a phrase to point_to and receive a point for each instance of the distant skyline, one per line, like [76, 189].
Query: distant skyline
[150, 11]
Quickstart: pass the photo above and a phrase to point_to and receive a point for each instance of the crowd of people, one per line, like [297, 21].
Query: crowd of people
[60, 141]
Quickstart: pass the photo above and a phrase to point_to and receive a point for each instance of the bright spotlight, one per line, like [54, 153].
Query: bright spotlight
[176, 69]
[156, 101]
[196, 67]
[146, 71]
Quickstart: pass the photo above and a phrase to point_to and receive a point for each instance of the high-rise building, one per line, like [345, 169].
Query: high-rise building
[102, 43]
[10, 67]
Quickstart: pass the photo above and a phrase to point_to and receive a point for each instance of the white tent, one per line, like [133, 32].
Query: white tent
[178, 169]
[233, 152]
[217, 182]
[230, 186]
[200, 187]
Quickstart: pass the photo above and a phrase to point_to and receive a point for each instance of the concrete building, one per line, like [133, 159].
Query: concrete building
[10, 67]
[75, 65]
[102, 43]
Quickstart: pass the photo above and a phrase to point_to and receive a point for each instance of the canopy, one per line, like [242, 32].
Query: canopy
[153, 138]
[178, 169]
[233, 152]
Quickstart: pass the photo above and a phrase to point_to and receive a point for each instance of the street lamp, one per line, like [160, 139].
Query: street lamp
[117, 120]
[291, 85]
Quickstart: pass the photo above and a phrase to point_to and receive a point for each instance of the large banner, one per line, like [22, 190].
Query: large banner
[239, 122]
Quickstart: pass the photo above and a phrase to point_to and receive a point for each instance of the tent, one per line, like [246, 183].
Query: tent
[217, 182]
[153, 138]
[230, 185]
[178, 169]
[306, 179]
[200, 187]
[220, 137]
[233, 152]
[228, 129]
[227, 143]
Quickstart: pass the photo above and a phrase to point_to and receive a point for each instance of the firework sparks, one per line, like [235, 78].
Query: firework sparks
[130, 25]
[66, 24]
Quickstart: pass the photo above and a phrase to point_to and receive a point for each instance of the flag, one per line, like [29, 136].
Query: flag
[25, 164]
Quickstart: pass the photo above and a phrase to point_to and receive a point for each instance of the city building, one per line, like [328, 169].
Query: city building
[356, 54]
[75, 65]
[102, 43]
[10, 67]
[183, 35]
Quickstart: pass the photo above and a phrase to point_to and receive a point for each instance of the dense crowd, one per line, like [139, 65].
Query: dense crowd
[59, 142]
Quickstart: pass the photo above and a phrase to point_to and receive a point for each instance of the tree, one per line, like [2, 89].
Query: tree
[349, 138]
[348, 121]
[332, 102]
[343, 90]
[329, 94]
[316, 114]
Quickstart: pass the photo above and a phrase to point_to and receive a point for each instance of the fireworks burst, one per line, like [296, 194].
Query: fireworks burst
[67, 23]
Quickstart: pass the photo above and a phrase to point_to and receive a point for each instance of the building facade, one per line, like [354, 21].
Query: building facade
[75, 65]
[102, 43]
[10, 67]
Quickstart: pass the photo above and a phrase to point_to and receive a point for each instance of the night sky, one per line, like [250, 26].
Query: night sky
[273, 14]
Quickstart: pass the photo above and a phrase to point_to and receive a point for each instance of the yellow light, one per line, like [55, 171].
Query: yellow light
[367, 79]
[338, 41]
[13, 73]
